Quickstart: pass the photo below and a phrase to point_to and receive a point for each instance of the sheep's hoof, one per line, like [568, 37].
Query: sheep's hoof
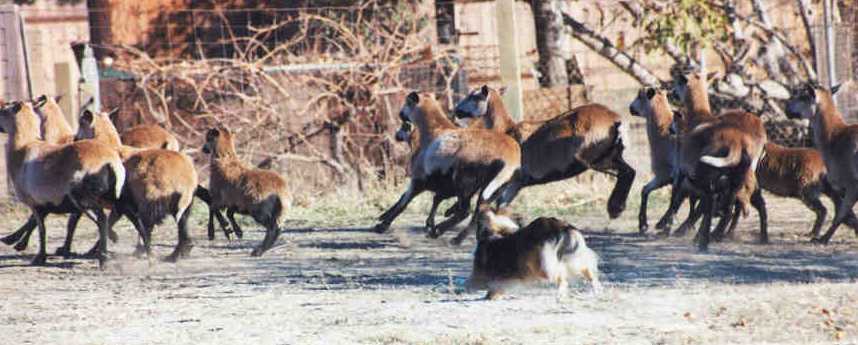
[663, 224]
[21, 246]
[493, 295]
[64, 251]
[457, 241]
[764, 240]
[703, 247]
[257, 252]
[614, 211]
[39, 260]
[238, 234]
[663, 234]
[113, 236]
[141, 251]
[643, 228]
[819, 240]
[381, 228]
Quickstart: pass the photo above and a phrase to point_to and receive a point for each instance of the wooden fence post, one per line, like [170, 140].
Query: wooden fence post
[509, 56]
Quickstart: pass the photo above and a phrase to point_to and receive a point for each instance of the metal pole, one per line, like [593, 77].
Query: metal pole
[509, 65]
[26, 53]
[829, 43]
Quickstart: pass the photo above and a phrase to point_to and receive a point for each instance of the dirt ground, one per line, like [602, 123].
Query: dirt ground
[331, 281]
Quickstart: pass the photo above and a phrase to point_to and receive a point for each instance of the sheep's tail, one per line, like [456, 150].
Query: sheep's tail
[732, 159]
[118, 170]
[501, 173]
[203, 194]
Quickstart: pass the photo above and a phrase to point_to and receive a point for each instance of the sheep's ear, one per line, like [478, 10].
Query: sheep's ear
[711, 76]
[835, 88]
[484, 91]
[39, 102]
[413, 98]
[650, 93]
[212, 133]
[502, 90]
[58, 98]
[112, 113]
[810, 89]
[86, 118]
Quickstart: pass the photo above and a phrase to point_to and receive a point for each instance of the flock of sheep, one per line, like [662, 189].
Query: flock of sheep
[719, 163]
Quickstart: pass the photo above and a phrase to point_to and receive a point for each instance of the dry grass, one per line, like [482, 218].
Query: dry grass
[329, 280]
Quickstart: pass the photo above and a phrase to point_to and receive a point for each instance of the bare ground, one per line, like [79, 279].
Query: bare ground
[331, 281]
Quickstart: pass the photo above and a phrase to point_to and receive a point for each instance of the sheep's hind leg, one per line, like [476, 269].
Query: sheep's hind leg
[272, 232]
[843, 210]
[430, 219]
[458, 217]
[183, 248]
[66, 250]
[230, 213]
[42, 256]
[22, 235]
[625, 178]
[708, 206]
[387, 218]
[653, 185]
[472, 225]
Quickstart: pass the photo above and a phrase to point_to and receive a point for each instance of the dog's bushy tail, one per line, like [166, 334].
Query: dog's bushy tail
[580, 260]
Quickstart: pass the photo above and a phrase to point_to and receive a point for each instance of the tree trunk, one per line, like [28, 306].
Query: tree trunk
[606, 49]
[100, 35]
[552, 43]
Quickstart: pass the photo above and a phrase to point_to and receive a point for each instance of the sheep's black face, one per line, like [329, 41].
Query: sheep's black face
[85, 126]
[404, 132]
[475, 105]
[7, 115]
[802, 103]
[642, 102]
[406, 114]
[679, 91]
[211, 141]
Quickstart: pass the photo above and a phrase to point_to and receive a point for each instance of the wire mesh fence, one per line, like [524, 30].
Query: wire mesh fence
[317, 88]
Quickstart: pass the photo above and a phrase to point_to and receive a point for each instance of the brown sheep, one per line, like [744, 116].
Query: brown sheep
[452, 161]
[583, 138]
[238, 188]
[86, 174]
[150, 137]
[692, 91]
[836, 142]
[54, 130]
[652, 104]
[160, 182]
[548, 249]
[797, 173]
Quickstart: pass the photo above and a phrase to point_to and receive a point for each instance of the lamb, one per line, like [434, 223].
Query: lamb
[160, 182]
[259, 193]
[86, 174]
[548, 249]
[836, 142]
[583, 138]
[452, 161]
